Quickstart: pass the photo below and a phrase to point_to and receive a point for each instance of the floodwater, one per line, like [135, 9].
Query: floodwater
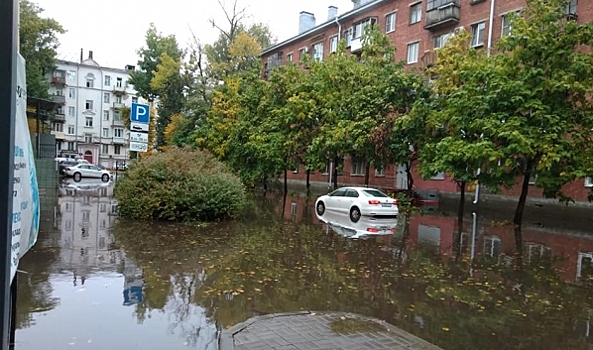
[93, 282]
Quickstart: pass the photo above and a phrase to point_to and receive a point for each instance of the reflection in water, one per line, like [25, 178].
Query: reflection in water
[363, 228]
[167, 286]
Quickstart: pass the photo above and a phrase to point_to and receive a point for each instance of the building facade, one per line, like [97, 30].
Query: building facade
[417, 29]
[89, 122]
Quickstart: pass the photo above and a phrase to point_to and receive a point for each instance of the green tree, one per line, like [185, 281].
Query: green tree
[38, 45]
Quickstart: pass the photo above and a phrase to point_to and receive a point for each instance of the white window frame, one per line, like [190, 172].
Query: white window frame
[588, 182]
[289, 57]
[118, 133]
[333, 44]
[88, 105]
[117, 149]
[318, 51]
[106, 97]
[379, 170]
[415, 13]
[478, 31]
[105, 132]
[580, 262]
[88, 138]
[493, 239]
[438, 177]
[106, 115]
[107, 80]
[71, 93]
[71, 111]
[357, 166]
[88, 122]
[412, 60]
[439, 41]
[571, 8]
[105, 149]
[390, 22]
[71, 130]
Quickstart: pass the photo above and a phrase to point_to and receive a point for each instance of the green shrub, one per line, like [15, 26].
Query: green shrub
[180, 184]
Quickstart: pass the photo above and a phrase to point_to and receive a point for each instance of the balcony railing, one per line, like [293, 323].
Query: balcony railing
[117, 122]
[59, 117]
[119, 140]
[446, 14]
[118, 105]
[58, 80]
[119, 90]
[429, 58]
[61, 99]
[356, 45]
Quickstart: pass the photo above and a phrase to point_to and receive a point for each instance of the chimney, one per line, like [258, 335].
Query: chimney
[81, 54]
[306, 21]
[332, 13]
[90, 55]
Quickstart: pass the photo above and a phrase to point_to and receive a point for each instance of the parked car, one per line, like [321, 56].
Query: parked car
[65, 164]
[79, 171]
[357, 202]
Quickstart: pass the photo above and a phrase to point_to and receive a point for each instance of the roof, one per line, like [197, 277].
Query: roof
[92, 64]
[325, 25]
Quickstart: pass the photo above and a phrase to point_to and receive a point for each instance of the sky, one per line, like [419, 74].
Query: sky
[114, 29]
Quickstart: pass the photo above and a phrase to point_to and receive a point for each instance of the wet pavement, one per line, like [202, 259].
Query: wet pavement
[94, 282]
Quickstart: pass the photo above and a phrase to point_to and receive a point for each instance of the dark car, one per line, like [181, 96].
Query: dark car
[67, 163]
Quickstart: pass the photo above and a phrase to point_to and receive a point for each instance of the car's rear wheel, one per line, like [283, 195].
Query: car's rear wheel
[77, 177]
[105, 178]
[355, 214]
[320, 208]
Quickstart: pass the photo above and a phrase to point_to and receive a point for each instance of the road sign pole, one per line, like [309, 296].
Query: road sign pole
[8, 86]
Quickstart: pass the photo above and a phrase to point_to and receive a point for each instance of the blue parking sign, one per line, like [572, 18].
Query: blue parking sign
[140, 113]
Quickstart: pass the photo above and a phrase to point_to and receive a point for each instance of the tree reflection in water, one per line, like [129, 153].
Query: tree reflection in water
[266, 265]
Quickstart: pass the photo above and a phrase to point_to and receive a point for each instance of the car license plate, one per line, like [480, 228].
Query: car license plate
[386, 204]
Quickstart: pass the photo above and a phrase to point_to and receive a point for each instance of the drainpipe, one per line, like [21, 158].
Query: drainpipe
[339, 27]
[100, 113]
[490, 26]
[76, 109]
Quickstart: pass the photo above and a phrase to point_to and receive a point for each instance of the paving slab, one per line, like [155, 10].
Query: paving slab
[308, 330]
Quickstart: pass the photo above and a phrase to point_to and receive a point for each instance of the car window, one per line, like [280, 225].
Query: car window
[374, 193]
[338, 193]
[352, 193]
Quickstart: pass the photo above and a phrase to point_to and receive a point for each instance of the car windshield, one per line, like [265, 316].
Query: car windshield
[374, 193]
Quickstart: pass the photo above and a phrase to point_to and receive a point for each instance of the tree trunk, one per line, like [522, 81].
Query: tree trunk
[335, 173]
[410, 179]
[518, 219]
[460, 212]
[308, 181]
[285, 181]
[367, 174]
[265, 183]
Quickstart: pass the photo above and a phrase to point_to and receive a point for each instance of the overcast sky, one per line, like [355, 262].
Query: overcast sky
[114, 29]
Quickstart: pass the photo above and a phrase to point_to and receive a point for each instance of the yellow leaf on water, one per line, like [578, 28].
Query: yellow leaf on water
[446, 329]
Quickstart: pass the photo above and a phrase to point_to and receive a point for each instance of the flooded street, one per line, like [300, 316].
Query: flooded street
[93, 282]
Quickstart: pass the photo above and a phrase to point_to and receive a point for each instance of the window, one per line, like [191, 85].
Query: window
[59, 127]
[103, 222]
[71, 93]
[416, 13]
[302, 53]
[134, 99]
[116, 116]
[103, 192]
[441, 40]
[107, 80]
[105, 132]
[478, 33]
[295, 170]
[333, 44]
[68, 207]
[86, 200]
[102, 241]
[59, 146]
[90, 81]
[119, 82]
[102, 207]
[359, 27]
[492, 246]
[588, 181]
[318, 51]
[413, 49]
[70, 129]
[71, 75]
[358, 166]
[88, 122]
[86, 216]
[532, 179]
[439, 176]
[88, 138]
[116, 149]
[390, 23]
[106, 115]
[71, 111]
[379, 170]
[293, 208]
[88, 105]
[289, 57]
[435, 4]
[105, 149]
[348, 36]
[71, 146]
[118, 99]
[585, 266]
[118, 132]
[571, 8]
[106, 97]
[68, 226]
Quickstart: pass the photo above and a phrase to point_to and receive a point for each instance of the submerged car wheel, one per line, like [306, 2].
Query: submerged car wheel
[105, 178]
[355, 214]
[77, 177]
[320, 208]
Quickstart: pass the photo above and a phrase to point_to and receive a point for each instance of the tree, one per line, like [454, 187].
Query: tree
[38, 45]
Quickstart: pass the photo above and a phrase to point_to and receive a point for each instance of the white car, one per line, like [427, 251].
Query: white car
[87, 170]
[364, 228]
[357, 202]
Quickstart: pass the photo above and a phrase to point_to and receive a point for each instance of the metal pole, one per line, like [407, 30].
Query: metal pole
[8, 87]
[13, 292]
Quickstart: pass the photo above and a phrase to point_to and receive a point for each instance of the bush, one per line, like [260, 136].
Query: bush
[179, 185]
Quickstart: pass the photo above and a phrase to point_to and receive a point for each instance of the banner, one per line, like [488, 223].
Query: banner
[25, 211]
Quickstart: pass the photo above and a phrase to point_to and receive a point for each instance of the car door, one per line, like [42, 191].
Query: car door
[94, 171]
[350, 198]
[334, 199]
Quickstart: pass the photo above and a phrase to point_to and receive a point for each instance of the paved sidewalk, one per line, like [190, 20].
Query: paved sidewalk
[323, 331]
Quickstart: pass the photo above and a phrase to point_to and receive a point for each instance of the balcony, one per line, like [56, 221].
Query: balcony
[429, 59]
[59, 135]
[120, 90]
[58, 77]
[442, 13]
[59, 117]
[117, 122]
[118, 105]
[356, 45]
[60, 99]
[119, 141]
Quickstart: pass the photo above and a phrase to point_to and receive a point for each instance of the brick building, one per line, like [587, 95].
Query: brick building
[417, 29]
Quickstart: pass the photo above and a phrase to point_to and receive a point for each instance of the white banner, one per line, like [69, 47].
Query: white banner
[25, 212]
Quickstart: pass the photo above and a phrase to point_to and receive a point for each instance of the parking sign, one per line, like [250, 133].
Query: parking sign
[140, 113]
